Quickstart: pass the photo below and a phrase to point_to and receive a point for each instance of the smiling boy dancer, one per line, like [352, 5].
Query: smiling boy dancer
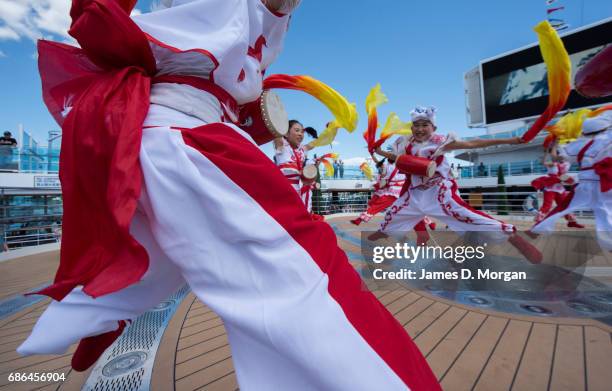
[212, 210]
[437, 196]
[593, 152]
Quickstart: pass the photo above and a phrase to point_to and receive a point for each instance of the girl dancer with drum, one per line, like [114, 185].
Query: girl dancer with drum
[211, 211]
[292, 159]
[552, 185]
[593, 152]
[429, 189]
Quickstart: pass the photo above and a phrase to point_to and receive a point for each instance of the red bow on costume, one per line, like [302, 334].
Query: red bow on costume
[604, 170]
[100, 96]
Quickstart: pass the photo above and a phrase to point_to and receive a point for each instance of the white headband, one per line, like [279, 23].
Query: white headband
[427, 113]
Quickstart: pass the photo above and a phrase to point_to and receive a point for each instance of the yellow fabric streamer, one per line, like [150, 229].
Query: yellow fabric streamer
[329, 168]
[395, 126]
[327, 136]
[558, 66]
[367, 170]
[375, 98]
[345, 113]
[569, 127]
[331, 155]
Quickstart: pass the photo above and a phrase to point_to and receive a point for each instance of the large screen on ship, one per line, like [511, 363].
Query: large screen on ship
[515, 85]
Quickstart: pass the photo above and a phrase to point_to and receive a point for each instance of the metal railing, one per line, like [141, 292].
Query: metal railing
[523, 203]
[333, 202]
[29, 220]
[527, 167]
[32, 236]
[24, 228]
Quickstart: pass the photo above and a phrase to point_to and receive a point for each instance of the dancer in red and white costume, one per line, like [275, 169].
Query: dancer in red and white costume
[387, 188]
[291, 157]
[212, 210]
[593, 152]
[552, 185]
[437, 196]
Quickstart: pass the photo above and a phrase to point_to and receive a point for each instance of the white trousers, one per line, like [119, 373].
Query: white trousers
[296, 313]
[587, 196]
[441, 201]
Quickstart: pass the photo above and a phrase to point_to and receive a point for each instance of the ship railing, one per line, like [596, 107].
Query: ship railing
[516, 203]
[528, 167]
[22, 229]
[31, 236]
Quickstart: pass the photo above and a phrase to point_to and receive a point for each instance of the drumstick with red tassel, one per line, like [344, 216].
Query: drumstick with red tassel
[367, 170]
[345, 113]
[393, 127]
[374, 99]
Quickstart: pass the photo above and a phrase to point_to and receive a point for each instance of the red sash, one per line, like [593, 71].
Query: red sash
[604, 170]
[99, 94]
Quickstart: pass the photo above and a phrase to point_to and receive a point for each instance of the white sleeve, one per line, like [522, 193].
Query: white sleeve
[282, 154]
[399, 146]
[570, 151]
[606, 151]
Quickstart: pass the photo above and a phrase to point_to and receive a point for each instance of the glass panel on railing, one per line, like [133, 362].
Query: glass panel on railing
[8, 158]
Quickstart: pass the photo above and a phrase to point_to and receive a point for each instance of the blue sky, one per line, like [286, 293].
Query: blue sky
[417, 50]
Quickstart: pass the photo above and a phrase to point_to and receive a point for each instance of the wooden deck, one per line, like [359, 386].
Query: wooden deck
[467, 348]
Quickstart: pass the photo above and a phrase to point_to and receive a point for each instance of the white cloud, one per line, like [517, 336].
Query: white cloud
[2, 54]
[33, 19]
[8, 33]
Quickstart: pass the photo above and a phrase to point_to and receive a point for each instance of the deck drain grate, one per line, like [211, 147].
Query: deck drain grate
[127, 365]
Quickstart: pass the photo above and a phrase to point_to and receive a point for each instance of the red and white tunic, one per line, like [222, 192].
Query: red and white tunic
[407, 145]
[435, 197]
[387, 188]
[390, 182]
[594, 188]
[291, 161]
[558, 170]
[554, 191]
[214, 212]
